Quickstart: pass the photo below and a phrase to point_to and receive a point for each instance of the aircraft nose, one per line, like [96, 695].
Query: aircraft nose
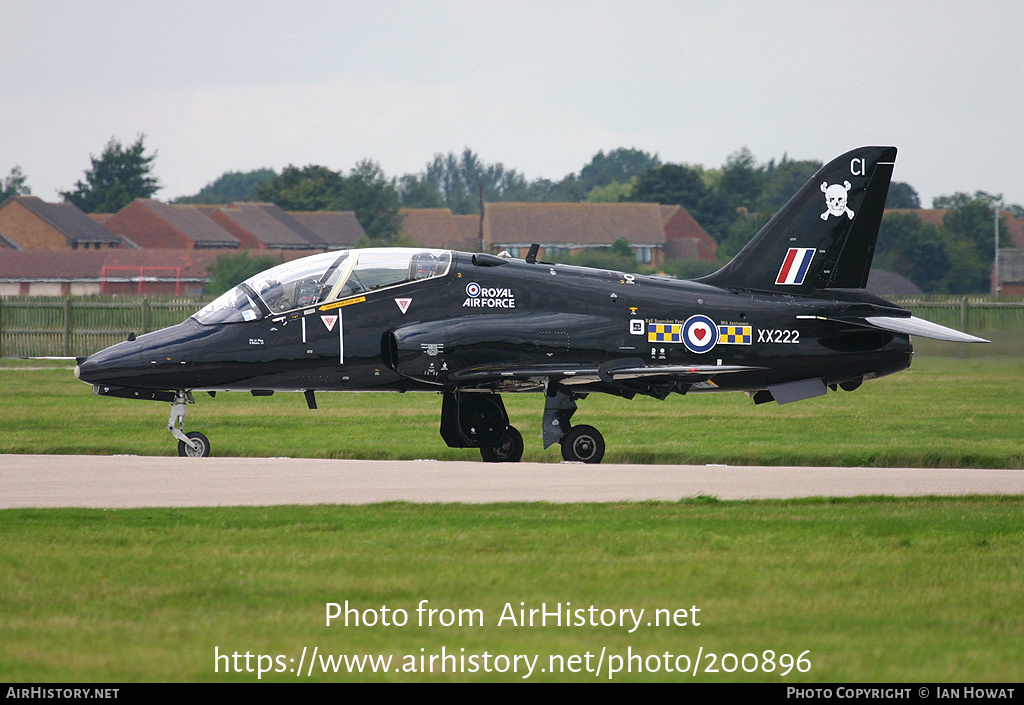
[109, 366]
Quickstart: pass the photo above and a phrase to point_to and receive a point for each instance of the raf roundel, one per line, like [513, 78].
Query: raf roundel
[699, 334]
[473, 289]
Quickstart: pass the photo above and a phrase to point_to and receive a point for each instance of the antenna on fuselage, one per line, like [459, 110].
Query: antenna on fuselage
[531, 256]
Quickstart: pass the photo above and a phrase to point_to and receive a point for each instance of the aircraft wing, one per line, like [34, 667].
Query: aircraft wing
[612, 371]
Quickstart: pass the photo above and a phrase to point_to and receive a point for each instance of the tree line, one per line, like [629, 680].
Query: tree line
[731, 202]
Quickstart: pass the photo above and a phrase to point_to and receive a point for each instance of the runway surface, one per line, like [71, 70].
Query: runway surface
[131, 481]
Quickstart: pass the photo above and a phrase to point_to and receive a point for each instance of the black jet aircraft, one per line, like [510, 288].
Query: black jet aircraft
[787, 319]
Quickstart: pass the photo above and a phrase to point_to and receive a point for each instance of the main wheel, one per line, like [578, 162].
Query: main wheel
[510, 450]
[583, 444]
[185, 450]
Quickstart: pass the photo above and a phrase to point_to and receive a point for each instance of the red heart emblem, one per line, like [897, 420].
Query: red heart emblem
[699, 333]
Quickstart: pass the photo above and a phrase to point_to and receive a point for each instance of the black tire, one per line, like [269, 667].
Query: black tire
[583, 444]
[187, 451]
[510, 450]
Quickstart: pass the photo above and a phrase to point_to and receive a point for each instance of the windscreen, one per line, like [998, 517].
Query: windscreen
[321, 278]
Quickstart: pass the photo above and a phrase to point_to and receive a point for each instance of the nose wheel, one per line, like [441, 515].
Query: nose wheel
[198, 448]
[192, 444]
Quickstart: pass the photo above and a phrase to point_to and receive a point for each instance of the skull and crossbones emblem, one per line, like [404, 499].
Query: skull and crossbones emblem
[835, 199]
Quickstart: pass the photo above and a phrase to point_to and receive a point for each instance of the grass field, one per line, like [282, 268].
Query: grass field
[865, 590]
[944, 412]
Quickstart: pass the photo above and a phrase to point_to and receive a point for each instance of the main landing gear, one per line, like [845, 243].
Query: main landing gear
[193, 444]
[479, 420]
[468, 420]
[580, 444]
[583, 444]
[510, 450]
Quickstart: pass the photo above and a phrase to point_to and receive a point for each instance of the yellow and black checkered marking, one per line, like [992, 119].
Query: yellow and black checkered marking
[735, 335]
[664, 332]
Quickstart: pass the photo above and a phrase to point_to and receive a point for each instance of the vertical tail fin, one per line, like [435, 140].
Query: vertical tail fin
[824, 237]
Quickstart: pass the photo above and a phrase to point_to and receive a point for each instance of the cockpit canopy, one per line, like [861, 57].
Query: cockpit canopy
[323, 278]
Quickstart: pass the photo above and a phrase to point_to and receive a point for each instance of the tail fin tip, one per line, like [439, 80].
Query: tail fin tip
[824, 237]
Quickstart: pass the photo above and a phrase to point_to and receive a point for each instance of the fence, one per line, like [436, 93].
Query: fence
[72, 327]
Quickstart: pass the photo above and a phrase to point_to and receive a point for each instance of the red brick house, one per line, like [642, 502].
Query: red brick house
[121, 271]
[150, 224]
[339, 230]
[655, 232]
[29, 223]
[437, 227]
[262, 226]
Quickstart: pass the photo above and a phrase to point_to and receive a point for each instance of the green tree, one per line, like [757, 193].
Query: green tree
[690, 268]
[232, 187]
[116, 178]
[951, 201]
[938, 260]
[619, 165]
[784, 180]
[614, 192]
[622, 248]
[676, 184]
[973, 223]
[417, 192]
[910, 247]
[568, 190]
[374, 199]
[311, 188]
[902, 195]
[460, 179]
[14, 185]
[600, 258]
[230, 270]
[968, 273]
[745, 226]
[742, 180]
[366, 191]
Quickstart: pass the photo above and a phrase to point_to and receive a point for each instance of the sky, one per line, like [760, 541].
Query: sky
[541, 87]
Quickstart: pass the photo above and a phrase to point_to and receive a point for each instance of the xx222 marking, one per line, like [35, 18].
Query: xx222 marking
[778, 336]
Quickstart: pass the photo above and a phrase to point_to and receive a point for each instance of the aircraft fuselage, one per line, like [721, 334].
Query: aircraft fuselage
[433, 335]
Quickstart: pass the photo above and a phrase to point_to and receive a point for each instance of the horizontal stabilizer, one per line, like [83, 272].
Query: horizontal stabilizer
[919, 326]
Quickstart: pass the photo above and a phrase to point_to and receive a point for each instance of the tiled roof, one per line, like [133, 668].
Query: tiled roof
[267, 224]
[684, 237]
[67, 219]
[190, 222]
[336, 229]
[469, 230]
[431, 227]
[573, 224]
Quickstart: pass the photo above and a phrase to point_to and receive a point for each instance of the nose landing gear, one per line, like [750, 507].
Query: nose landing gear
[193, 444]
